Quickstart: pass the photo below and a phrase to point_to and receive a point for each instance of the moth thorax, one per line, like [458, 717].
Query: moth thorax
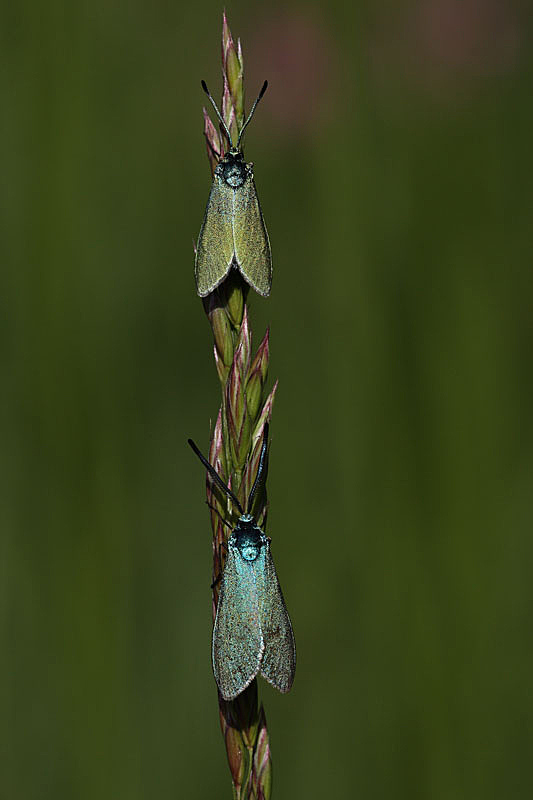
[233, 169]
[248, 539]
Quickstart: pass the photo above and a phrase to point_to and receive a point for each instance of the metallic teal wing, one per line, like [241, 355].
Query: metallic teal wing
[278, 664]
[237, 639]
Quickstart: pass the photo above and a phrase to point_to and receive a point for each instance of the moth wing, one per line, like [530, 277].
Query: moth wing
[252, 246]
[214, 250]
[237, 639]
[279, 658]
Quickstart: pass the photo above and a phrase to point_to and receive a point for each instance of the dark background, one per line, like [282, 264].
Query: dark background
[393, 162]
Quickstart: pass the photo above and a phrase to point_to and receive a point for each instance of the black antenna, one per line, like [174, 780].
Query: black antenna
[259, 96]
[216, 477]
[263, 458]
[219, 115]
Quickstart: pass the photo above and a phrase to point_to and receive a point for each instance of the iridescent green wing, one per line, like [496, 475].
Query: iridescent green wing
[252, 247]
[237, 639]
[279, 658]
[214, 251]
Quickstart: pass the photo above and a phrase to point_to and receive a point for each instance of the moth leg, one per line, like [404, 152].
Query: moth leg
[219, 515]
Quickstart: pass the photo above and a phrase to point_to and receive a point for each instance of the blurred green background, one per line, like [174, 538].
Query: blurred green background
[393, 162]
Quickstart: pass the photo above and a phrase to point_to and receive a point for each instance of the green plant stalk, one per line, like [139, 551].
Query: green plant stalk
[236, 443]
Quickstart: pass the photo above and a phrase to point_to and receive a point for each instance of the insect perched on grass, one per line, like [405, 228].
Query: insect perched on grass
[233, 234]
[252, 631]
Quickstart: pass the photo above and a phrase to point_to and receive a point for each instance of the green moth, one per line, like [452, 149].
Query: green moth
[233, 234]
[252, 631]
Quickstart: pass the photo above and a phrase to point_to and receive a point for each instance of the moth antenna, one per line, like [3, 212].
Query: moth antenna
[216, 477]
[219, 115]
[260, 469]
[259, 96]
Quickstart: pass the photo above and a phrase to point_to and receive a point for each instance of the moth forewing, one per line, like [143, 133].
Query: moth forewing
[238, 644]
[251, 242]
[215, 248]
[278, 663]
